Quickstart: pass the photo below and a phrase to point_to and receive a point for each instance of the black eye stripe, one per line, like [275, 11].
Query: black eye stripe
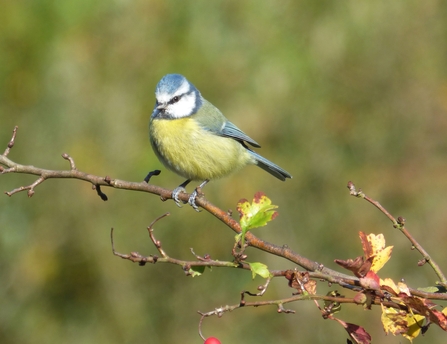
[174, 100]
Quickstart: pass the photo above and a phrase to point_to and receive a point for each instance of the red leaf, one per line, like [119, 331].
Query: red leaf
[356, 332]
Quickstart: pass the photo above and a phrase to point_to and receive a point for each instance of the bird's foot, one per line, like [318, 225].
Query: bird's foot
[192, 197]
[192, 200]
[197, 192]
[177, 191]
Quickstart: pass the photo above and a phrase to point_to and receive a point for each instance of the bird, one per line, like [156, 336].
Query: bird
[192, 138]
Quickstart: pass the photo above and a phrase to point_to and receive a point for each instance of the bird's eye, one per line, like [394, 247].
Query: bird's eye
[175, 99]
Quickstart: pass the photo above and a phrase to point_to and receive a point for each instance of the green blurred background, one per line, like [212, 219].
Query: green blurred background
[333, 91]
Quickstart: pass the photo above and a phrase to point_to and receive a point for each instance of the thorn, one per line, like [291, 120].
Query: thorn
[102, 195]
[70, 159]
[150, 174]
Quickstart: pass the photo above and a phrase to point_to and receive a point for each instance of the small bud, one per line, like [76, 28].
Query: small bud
[360, 298]
[422, 262]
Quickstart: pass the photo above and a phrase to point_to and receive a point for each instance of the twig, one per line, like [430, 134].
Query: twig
[280, 302]
[165, 258]
[262, 289]
[11, 142]
[400, 224]
[156, 242]
[224, 216]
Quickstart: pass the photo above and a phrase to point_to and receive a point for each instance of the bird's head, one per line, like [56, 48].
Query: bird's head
[176, 97]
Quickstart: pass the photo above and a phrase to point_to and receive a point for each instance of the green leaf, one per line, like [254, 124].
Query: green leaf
[433, 289]
[196, 270]
[332, 306]
[259, 269]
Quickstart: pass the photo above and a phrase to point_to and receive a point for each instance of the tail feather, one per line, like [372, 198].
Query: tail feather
[270, 167]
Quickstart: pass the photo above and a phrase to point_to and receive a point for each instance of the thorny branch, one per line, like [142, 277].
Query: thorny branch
[165, 194]
[220, 311]
[165, 258]
[205, 261]
[314, 269]
[304, 292]
[400, 224]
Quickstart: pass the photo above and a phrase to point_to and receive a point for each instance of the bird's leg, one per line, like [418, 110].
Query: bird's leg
[192, 197]
[178, 190]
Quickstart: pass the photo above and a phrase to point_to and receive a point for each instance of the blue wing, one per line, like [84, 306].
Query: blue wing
[230, 130]
[211, 119]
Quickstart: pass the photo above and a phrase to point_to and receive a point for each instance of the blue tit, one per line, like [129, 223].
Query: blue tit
[192, 138]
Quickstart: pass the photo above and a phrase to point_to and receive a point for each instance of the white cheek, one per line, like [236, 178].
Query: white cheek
[183, 107]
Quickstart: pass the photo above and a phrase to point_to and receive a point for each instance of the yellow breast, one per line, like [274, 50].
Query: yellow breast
[194, 153]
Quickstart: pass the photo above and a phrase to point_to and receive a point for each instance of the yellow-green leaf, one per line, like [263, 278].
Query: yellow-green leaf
[196, 270]
[256, 214]
[259, 269]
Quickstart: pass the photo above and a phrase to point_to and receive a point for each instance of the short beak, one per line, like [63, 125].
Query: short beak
[161, 106]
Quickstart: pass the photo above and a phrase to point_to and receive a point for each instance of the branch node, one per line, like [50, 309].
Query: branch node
[281, 309]
[423, 261]
[205, 258]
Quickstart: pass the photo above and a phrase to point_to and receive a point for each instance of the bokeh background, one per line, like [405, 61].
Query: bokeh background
[333, 91]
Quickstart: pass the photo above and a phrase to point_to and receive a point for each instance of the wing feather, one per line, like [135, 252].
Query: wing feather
[230, 130]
